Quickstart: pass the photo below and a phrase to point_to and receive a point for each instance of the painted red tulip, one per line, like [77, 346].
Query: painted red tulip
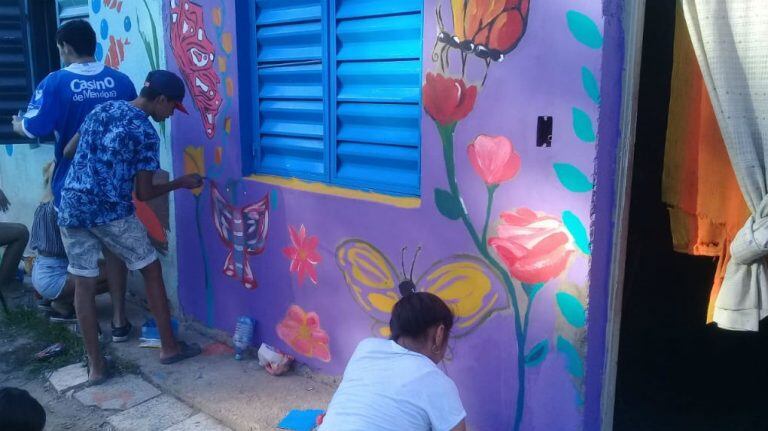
[535, 247]
[448, 100]
[494, 158]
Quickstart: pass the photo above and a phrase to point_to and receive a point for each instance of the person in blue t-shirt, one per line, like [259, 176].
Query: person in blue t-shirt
[59, 105]
[116, 149]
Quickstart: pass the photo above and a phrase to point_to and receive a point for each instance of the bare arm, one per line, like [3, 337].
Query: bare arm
[462, 426]
[146, 190]
[71, 148]
[18, 127]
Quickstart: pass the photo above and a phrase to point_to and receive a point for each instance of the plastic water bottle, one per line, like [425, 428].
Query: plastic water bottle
[243, 336]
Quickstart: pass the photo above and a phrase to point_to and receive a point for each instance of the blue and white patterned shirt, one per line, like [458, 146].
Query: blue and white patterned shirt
[117, 141]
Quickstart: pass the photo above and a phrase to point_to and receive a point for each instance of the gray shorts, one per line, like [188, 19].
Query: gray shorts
[127, 238]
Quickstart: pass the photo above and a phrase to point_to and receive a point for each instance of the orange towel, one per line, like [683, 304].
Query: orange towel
[706, 207]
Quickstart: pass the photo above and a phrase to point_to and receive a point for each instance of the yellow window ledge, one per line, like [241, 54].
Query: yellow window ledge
[326, 189]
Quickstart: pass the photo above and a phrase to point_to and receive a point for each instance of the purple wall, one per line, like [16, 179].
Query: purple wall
[544, 75]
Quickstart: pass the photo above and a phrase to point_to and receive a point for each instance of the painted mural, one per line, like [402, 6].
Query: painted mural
[463, 282]
[243, 231]
[204, 65]
[301, 330]
[303, 254]
[194, 53]
[501, 231]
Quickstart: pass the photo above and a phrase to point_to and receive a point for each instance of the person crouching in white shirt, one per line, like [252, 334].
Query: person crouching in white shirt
[396, 384]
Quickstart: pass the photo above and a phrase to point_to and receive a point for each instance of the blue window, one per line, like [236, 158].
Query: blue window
[334, 91]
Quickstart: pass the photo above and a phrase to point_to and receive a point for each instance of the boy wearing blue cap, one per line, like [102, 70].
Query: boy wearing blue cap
[117, 147]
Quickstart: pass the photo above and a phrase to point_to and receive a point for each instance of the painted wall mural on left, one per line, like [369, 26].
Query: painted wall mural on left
[501, 231]
[128, 39]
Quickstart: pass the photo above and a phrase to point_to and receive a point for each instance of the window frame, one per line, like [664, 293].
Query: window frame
[39, 21]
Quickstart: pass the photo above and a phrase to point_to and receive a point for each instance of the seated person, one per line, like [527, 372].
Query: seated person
[19, 411]
[396, 384]
[49, 273]
[13, 236]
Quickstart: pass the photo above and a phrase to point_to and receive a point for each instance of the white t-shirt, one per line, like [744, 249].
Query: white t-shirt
[387, 387]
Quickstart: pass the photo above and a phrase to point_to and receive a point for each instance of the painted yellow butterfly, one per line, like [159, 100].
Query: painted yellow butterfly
[464, 282]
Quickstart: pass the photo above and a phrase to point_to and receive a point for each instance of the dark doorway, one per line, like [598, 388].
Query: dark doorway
[674, 371]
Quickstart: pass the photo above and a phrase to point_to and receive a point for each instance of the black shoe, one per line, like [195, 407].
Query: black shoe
[57, 317]
[122, 333]
[44, 305]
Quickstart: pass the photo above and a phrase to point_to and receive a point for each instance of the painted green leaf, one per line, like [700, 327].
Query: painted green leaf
[573, 362]
[579, 391]
[590, 85]
[273, 200]
[572, 178]
[571, 308]
[584, 29]
[447, 204]
[577, 230]
[532, 289]
[537, 354]
[582, 126]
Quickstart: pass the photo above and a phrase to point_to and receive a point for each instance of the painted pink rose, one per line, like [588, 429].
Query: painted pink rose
[447, 100]
[494, 158]
[302, 331]
[303, 254]
[535, 247]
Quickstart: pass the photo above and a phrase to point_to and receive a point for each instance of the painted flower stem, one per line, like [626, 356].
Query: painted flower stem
[491, 191]
[208, 287]
[446, 136]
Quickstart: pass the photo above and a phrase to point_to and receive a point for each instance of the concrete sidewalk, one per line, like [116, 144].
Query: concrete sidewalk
[239, 394]
[210, 392]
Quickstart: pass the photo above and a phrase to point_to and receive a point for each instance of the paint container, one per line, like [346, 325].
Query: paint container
[150, 336]
[243, 336]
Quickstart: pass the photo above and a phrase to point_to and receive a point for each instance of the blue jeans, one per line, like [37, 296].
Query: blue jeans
[49, 276]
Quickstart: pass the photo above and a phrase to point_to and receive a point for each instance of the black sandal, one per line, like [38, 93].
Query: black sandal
[108, 371]
[186, 351]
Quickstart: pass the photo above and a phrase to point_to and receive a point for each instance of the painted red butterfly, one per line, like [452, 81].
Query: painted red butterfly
[243, 230]
[489, 29]
[194, 54]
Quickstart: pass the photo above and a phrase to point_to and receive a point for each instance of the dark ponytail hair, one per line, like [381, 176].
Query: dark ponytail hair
[416, 312]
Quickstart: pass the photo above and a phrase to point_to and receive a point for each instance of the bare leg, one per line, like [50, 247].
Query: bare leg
[15, 237]
[116, 278]
[67, 295]
[158, 304]
[85, 305]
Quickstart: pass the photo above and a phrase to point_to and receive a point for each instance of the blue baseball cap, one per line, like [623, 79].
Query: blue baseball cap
[169, 85]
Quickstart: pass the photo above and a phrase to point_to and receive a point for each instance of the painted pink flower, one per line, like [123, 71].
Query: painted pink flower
[494, 158]
[303, 254]
[447, 100]
[302, 331]
[535, 247]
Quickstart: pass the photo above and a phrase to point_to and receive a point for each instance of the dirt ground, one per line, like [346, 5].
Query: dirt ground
[17, 369]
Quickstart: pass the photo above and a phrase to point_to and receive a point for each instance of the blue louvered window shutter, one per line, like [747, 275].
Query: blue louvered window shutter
[290, 46]
[339, 91]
